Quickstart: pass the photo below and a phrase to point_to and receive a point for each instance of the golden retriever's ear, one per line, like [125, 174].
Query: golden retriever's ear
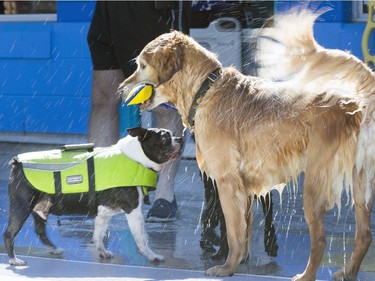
[170, 61]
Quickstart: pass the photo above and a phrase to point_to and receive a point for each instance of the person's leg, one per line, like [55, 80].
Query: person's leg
[168, 119]
[104, 120]
[165, 206]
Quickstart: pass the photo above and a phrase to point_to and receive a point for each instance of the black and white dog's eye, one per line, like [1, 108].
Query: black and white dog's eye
[142, 65]
[165, 139]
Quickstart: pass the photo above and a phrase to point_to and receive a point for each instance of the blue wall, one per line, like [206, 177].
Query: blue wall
[45, 67]
[45, 74]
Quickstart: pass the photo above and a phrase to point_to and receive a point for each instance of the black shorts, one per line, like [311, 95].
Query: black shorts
[120, 29]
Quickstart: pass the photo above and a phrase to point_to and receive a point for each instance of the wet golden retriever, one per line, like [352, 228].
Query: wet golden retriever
[253, 135]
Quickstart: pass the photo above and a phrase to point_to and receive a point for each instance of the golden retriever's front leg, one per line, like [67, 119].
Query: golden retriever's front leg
[234, 202]
[249, 220]
[363, 236]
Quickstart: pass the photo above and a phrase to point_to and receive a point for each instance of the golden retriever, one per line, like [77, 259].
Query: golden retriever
[253, 135]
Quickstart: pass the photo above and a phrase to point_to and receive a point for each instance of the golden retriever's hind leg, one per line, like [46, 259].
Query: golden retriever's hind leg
[362, 242]
[234, 202]
[314, 205]
[363, 237]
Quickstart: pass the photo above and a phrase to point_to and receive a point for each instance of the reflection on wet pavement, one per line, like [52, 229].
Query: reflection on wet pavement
[179, 241]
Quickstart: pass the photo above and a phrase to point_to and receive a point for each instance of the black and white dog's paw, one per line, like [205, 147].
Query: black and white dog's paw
[155, 258]
[17, 262]
[55, 251]
[106, 254]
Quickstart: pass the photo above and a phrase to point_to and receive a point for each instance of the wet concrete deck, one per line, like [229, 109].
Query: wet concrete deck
[178, 241]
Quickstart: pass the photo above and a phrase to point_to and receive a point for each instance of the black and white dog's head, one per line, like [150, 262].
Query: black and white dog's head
[151, 147]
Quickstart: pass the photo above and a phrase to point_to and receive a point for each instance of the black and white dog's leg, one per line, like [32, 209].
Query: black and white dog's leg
[18, 214]
[17, 217]
[137, 228]
[101, 225]
[40, 229]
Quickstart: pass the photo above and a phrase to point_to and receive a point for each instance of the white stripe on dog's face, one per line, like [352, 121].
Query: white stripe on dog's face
[131, 147]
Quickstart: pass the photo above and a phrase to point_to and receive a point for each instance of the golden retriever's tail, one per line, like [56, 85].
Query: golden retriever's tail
[289, 52]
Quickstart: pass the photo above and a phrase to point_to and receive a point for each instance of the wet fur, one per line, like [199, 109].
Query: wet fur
[253, 135]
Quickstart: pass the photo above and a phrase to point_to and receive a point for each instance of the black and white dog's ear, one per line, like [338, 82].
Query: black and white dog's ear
[137, 132]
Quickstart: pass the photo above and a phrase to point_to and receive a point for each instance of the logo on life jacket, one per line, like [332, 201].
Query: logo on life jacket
[74, 179]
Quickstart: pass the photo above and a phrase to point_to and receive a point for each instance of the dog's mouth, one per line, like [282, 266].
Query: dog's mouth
[175, 150]
[174, 154]
[178, 148]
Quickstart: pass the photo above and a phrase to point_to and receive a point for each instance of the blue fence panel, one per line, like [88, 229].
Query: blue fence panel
[44, 114]
[69, 40]
[45, 74]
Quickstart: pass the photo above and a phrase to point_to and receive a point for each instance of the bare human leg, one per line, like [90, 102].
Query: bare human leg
[104, 119]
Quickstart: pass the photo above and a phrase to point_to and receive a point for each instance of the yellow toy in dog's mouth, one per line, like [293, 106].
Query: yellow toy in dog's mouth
[139, 94]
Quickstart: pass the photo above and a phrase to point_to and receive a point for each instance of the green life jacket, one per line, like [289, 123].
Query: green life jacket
[62, 172]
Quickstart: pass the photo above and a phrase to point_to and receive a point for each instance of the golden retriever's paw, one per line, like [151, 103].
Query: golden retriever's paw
[219, 271]
[341, 276]
[106, 254]
[302, 277]
[17, 262]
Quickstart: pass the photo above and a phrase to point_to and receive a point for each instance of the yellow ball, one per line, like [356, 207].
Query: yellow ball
[139, 94]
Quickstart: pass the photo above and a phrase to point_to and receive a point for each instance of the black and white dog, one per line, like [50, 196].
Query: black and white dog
[149, 147]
